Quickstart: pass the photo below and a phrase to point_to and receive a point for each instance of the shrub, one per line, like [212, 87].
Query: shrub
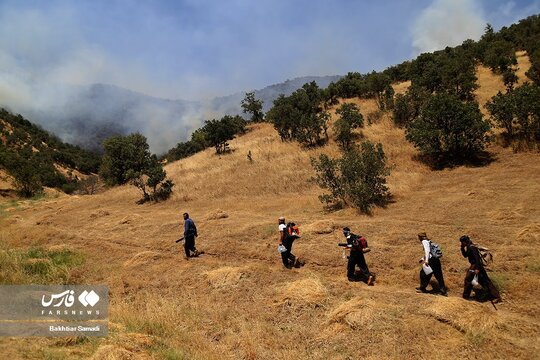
[358, 179]
[252, 106]
[89, 185]
[128, 159]
[350, 119]
[449, 131]
[151, 181]
[518, 113]
[123, 153]
[300, 116]
[218, 132]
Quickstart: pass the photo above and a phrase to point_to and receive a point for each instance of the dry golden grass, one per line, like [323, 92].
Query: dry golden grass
[402, 87]
[5, 181]
[523, 65]
[237, 302]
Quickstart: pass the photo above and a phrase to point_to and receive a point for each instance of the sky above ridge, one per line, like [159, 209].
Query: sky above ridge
[197, 49]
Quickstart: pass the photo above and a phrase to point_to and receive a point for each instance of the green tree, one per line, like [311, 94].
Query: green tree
[253, 106]
[379, 85]
[402, 112]
[22, 167]
[527, 106]
[128, 159]
[218, 132]
[283, 116]
[451, 71]
[502, 108]
[349, 119]
[236, 123]
[330, 95]
[509, 79]
[352, 85]
[364, 172]
[500, 55]
[151, 180]
[518, 113]
[357, 179]
[300, 116]
[534, 71]
[407, 106]
[123, 153]
[26, 179]
[449, 131]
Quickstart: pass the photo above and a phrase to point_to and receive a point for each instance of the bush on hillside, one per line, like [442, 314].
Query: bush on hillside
[349, 119]
[448, 131]
[379, 86]
[151, 181]
[500, 55]
[123, 153]
[218, 132]
[357, 179]
[300, 116]
[22, 167]
[407, 106]
[534, 71]
[26, 179]
[518, 113]
[451, 71]
[128, 159]
[89, 185]
[253, 106]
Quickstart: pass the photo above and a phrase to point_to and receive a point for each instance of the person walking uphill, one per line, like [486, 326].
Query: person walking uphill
[431, 264]
[190, 232]
[287, 234]
[476, 270]
[357, 245]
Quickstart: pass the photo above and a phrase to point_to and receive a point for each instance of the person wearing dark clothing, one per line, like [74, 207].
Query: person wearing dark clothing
[471, 252]
[286, 239]
[190, 232]
[357, 245]
[432, 262]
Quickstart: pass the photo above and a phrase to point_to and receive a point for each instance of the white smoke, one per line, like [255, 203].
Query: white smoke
[447, 23]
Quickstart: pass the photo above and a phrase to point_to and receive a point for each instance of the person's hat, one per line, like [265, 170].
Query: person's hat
[281, 218]
[464, 238]
[346, 229]
[422, 235]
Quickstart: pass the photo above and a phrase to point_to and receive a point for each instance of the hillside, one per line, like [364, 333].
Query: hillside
[87, 115]
[28, 150]
[237, 302]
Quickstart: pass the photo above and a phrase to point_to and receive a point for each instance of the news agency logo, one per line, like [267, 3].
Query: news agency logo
[67, 298]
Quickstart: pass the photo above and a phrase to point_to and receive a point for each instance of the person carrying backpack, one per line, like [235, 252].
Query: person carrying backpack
[357, 245]
[476, 272]
[287, 234]
[190, 233]
[431, 265]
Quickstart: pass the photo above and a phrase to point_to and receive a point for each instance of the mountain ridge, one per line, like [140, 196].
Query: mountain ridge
[91, 113]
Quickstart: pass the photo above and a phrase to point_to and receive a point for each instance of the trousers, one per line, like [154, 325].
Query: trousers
[189, 245]
[435, 265]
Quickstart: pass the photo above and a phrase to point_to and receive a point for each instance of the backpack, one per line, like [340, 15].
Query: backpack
[359, 242]
[435, 250]
[292, 230]
[485, 255]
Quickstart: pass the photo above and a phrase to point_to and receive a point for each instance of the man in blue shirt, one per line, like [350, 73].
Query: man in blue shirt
[190, 232]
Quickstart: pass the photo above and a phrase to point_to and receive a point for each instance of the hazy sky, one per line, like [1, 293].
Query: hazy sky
[194, 49]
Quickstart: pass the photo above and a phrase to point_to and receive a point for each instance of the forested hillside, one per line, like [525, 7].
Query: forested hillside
[35, 158]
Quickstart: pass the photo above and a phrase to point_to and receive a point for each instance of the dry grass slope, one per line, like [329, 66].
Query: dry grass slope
[237, 302]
